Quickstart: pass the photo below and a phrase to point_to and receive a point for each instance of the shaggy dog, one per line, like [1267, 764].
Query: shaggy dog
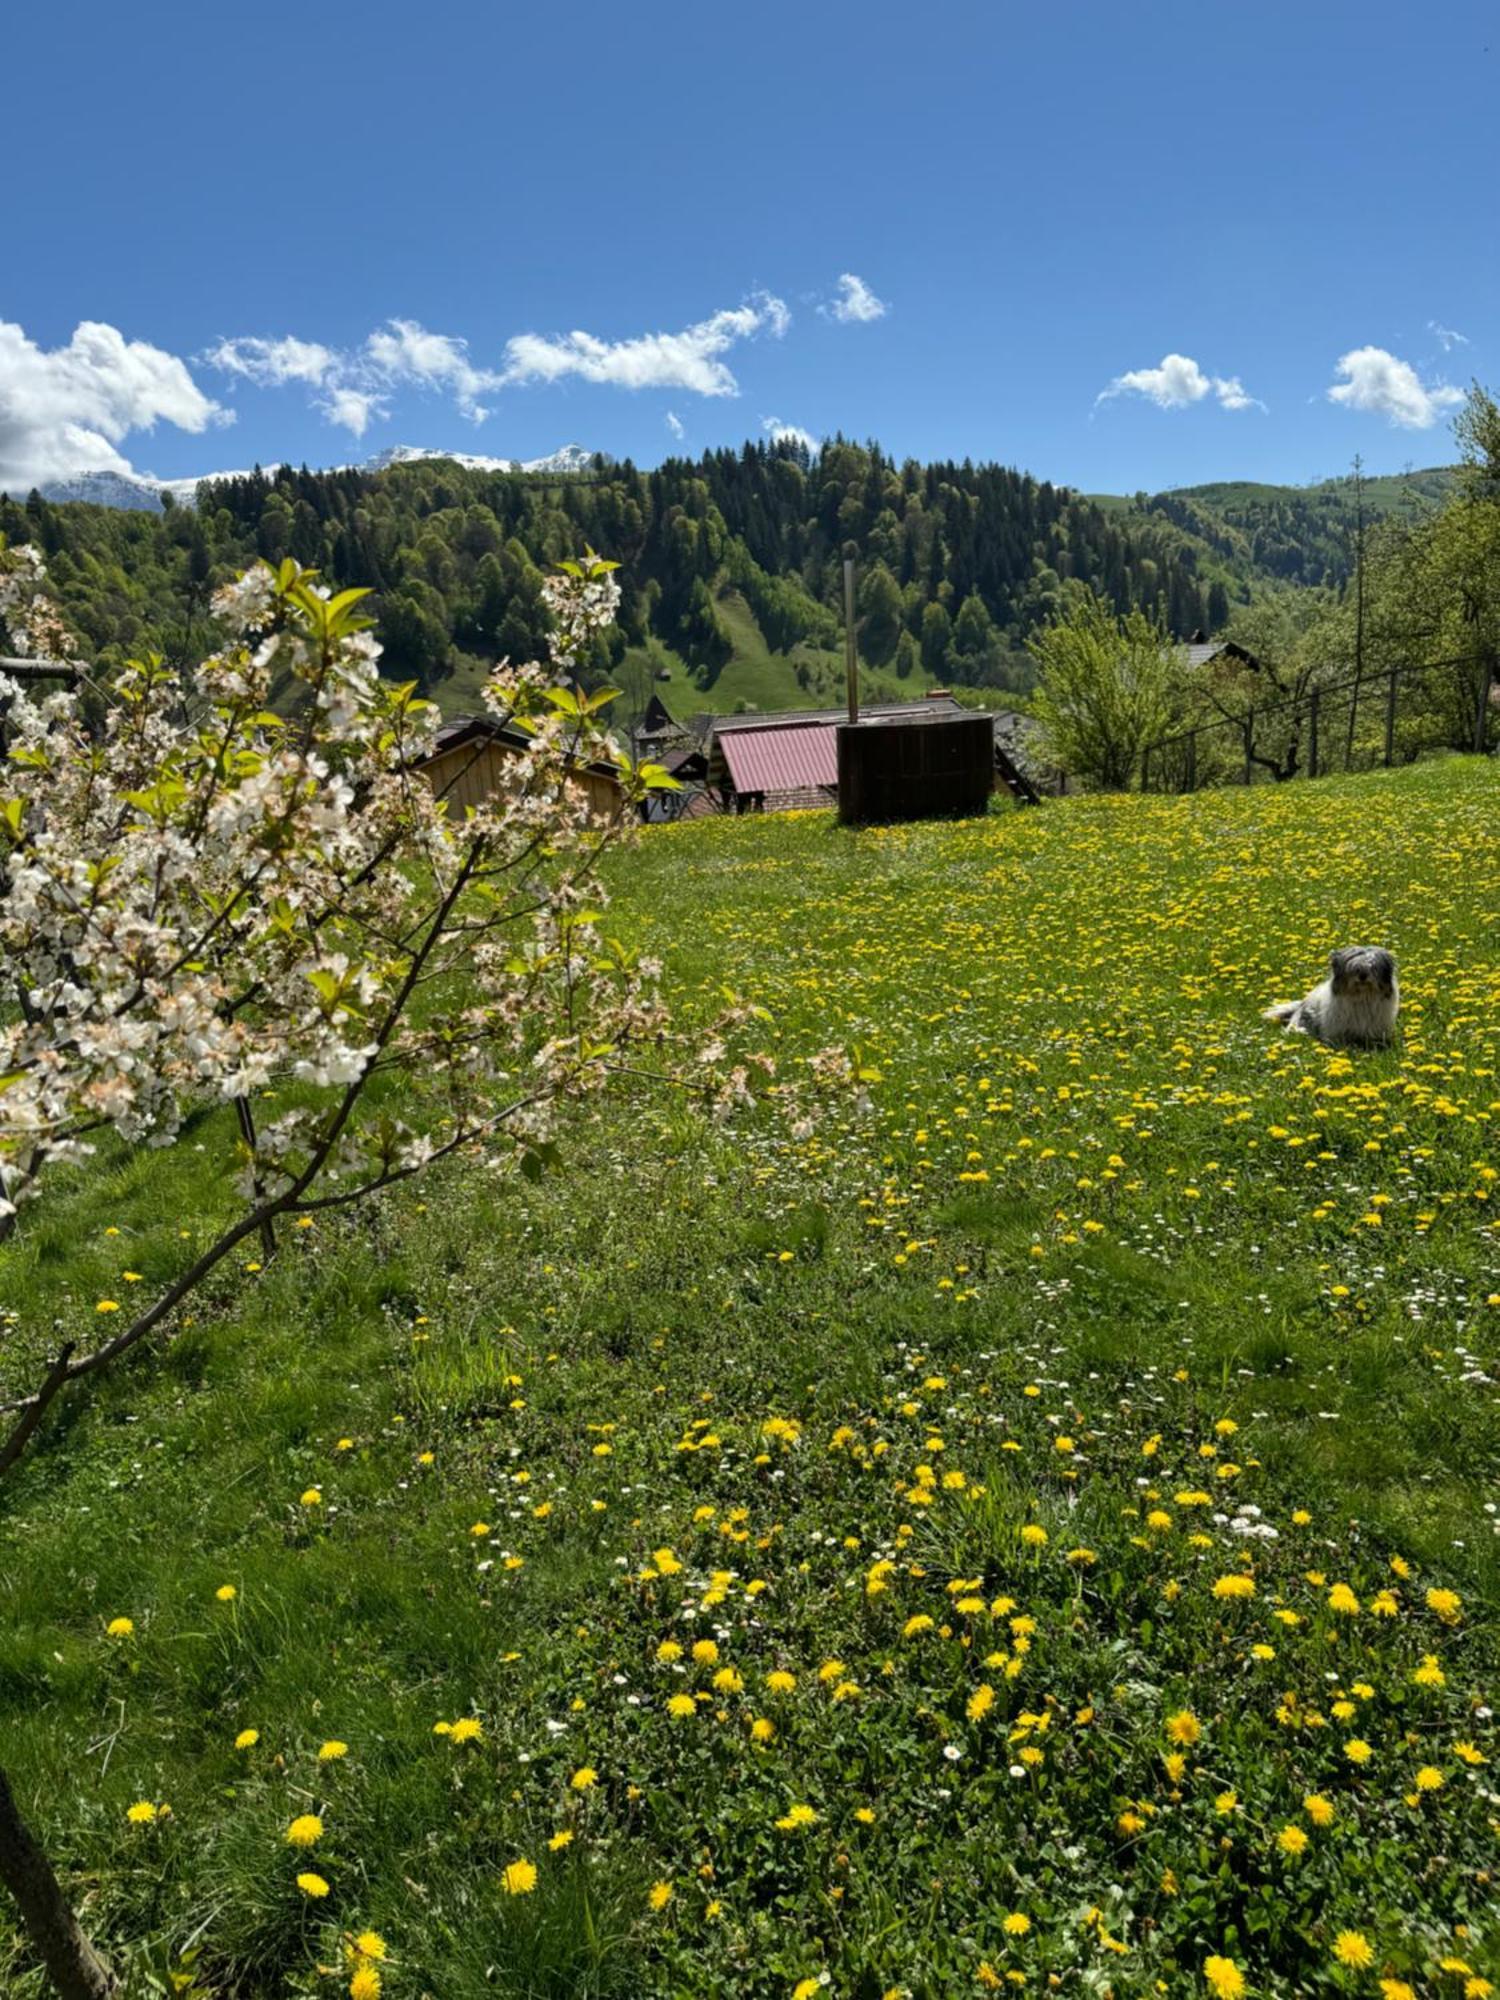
[1357, 1002]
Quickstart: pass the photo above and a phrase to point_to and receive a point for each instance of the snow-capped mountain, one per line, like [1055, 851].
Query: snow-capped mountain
[410, 454]
[137, 490]
[140, 491]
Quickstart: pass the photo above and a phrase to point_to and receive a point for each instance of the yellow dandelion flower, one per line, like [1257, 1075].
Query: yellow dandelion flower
[312, 1885]
[1352, 1948]
[305, 1831]
[519, 1878]
[119, 1628]
[661, 1895]
[1224, 1978]
[332, 1750]
[1184, 1727]
[1236, 1585]
[247, 1739]
[1017, 1924]
[1292, 1840]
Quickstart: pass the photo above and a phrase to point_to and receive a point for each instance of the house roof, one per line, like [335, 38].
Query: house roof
[1198, 653]
[789, 759]
[934, 704]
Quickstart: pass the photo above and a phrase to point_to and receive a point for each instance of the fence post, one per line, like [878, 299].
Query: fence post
[1146, 769]
[1312, 735]
[1249, 743]
[1482, 716]
[1192, 760]
[1390, 720]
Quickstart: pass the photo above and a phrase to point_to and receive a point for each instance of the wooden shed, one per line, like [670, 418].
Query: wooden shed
[472, 753]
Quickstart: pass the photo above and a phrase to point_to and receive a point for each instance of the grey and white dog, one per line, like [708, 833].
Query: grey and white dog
[1357, 1002]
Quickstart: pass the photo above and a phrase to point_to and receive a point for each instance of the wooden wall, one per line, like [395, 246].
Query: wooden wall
[470, 773]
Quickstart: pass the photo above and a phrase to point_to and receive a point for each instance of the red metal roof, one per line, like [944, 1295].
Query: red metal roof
[781, 760]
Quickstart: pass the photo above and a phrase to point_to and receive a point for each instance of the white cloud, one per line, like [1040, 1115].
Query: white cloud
[780, 433]
[855, 301]
[1177, 382]
[270, 363]
[354, 409]
[1376, 381]
[675, 424]
[403, 351]
[1447, 336]
[353, 386]
[67, 410]
[687, 360]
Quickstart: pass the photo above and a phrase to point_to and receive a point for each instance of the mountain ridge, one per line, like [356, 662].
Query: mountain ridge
[141, 492]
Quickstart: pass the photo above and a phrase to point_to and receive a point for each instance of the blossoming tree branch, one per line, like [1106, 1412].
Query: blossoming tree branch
[208, 898]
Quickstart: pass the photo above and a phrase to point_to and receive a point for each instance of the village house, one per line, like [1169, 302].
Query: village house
[470, 756]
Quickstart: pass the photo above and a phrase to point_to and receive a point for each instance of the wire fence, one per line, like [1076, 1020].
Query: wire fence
[1383, 716]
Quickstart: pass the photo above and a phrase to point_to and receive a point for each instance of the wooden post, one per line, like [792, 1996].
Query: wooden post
[1482, 714]
[75, 1968]
[1312, 735]
[1390, 719]
[1192, 761]
[1146, 769]
[1249, 745]
[851, 655]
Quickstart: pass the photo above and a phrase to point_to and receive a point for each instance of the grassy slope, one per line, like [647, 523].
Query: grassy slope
[1095, 1199]
[754, 675]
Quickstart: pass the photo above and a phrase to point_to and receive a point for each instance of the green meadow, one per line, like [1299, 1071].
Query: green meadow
[1034, 1531]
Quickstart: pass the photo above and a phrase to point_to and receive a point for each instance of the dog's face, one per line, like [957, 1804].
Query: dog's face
[1363, 968]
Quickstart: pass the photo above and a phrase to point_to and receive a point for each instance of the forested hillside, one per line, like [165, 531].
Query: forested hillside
[731, 566]
[1301, 535]
[731, 563]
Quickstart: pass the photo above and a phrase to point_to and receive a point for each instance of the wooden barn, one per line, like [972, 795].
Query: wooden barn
[470, 757]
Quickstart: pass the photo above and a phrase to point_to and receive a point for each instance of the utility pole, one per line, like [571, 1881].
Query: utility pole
[1359, 601]
[851, 656]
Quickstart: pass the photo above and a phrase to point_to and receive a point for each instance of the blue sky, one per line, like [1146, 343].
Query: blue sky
[1120, 247]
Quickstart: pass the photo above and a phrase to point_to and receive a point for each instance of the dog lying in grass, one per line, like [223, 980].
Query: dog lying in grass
[1356, 1003]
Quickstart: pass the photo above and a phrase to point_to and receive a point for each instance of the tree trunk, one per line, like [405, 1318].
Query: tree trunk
[75, 1968]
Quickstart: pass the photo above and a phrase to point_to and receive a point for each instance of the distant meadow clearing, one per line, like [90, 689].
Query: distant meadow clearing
[1036, 1531]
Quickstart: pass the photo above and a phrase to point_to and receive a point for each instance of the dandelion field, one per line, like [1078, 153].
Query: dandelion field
[1036, 1532]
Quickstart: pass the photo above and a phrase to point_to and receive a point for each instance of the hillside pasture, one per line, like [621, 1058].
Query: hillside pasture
[1036, 1530]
